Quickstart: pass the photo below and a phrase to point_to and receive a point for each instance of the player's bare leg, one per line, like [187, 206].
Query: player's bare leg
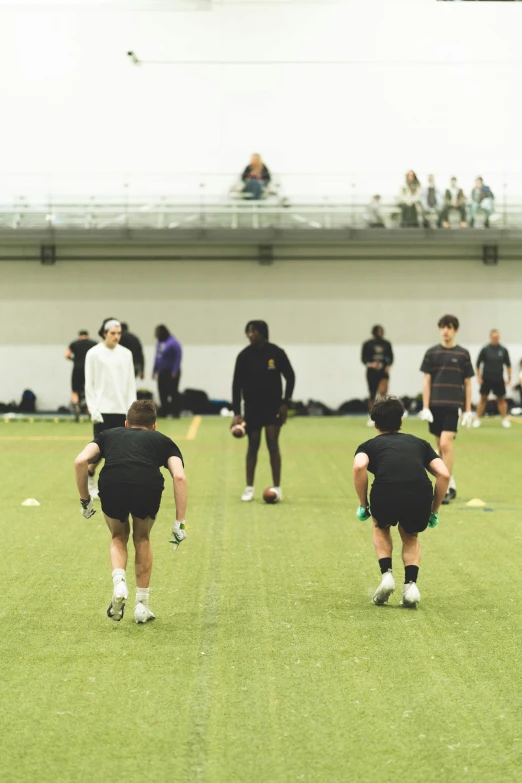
[272, 443]
[411, 556]
[481, 408]
[445, 450]
[383, 544]
[143, 551]
[120, 532]
[503, 410]
[143, 567]
[382, 388]
[254, 441]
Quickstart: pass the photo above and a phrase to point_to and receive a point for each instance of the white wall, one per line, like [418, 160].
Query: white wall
[319, 312]
[429, 85]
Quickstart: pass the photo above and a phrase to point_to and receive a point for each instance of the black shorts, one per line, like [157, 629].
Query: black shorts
[374, 377]
[497, 387]
[444, 420]
[259, 416]
[78, 380]
[110, 422]
[120, 500]
[407, 503]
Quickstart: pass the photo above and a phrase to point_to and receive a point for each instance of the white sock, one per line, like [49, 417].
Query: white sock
[248, 487]
[118, 575]
[452, 484]
[142, 595]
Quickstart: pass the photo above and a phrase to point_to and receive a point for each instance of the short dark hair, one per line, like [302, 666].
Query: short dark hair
[493, 331]
[142, 413]
[449, 320]
[83, 333]
[387, 414]
[259, 326]
[102, 331]
[375, 329]
[124, 326]
[162, 333]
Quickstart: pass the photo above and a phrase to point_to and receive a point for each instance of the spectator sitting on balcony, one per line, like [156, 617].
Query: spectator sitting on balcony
[410, 201]
[454, 198]
[256, 177]
[431, 202]
[482, 198]
[375, 216]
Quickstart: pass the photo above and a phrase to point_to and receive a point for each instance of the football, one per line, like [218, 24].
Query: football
[270, 495]
[238, 430]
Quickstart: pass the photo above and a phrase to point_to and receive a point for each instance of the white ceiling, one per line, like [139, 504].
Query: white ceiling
[109, 5]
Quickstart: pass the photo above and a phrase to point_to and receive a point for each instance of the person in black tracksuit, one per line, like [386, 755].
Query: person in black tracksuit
[377, 355]
[257, 379]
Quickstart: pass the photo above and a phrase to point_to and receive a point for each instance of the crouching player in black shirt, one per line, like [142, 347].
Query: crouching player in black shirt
[257, 378]
[131, 483]
[401, 494]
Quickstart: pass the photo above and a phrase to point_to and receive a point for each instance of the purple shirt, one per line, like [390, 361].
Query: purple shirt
[168, 356]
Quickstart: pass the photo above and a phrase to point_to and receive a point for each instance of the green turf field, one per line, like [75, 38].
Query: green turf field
[267, 662]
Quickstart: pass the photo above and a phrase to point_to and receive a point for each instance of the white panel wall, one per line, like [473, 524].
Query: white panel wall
[429, 85]
[319, 312]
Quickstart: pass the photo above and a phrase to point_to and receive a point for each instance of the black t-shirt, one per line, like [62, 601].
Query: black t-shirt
[493, 357]
[377, 350]
[398, 458]
[130, 341]
[134, 456]
[257, 377]
[79, 349]
[448, 367]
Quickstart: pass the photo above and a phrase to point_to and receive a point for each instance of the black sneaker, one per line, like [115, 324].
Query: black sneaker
[446, 499]
[452, 493]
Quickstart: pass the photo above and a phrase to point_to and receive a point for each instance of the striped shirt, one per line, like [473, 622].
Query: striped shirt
[448, 367]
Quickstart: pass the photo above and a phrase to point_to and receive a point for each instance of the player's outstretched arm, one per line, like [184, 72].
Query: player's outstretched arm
[89, 456]
[177, 472]
[360, 478]
[438, 469]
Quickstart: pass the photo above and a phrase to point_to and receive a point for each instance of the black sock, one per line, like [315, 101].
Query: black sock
[410, 574]
[385, 564]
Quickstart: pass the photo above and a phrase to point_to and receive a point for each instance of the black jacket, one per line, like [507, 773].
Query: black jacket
[257, 377]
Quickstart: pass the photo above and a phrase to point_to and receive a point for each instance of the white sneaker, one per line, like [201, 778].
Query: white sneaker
[142, 613]
[506, 423]
[370, 423]
[248, 494]
[385, 589]
[119, 598]
[410, 595]
[92, 487]
[279, 493]
[476, 423]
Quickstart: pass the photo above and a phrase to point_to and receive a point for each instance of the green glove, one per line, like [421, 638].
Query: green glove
[434, 519]
[364, 513]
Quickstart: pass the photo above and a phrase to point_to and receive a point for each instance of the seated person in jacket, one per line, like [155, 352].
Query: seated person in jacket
[454, 198]
[256, 177]
[481, 198]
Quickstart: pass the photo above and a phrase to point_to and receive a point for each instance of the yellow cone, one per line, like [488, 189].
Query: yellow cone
[475, 503]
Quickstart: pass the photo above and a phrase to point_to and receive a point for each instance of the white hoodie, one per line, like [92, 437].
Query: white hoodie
[110, 383]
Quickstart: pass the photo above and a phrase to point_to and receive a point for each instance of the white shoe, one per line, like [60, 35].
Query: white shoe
[142, 613]
[92, 487]
[370, 423]
[248, 494]
[506, 423]
[279, 493]
[385, 589]
[476, 423]
[410, 595]
[119, 598]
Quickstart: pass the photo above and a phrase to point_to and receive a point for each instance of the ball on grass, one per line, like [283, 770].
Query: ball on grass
[270, 495]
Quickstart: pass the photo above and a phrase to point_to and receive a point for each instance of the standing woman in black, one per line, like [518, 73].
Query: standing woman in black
[257, 380]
